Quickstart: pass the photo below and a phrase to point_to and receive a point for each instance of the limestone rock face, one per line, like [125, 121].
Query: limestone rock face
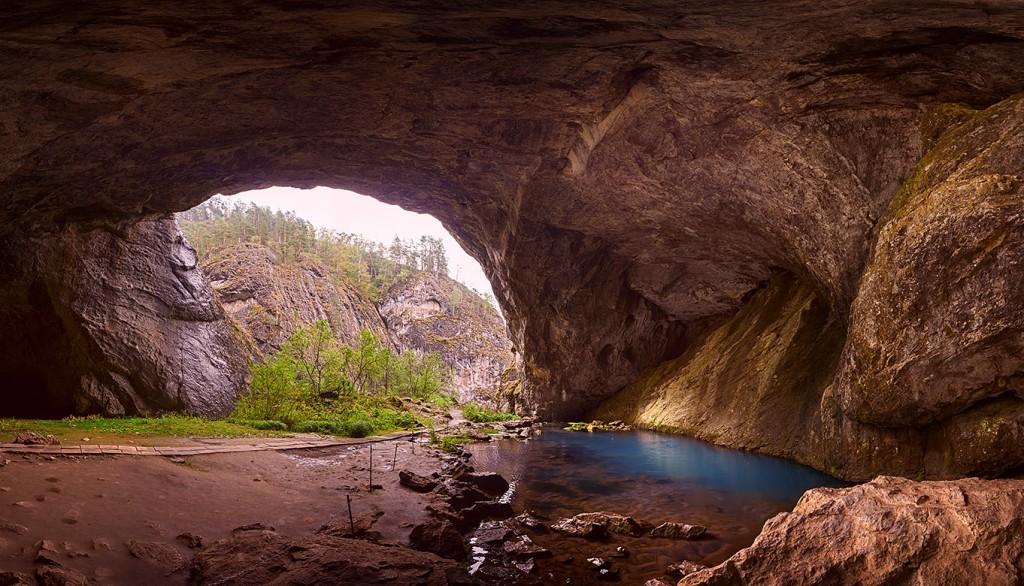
[630, 174]
[938, 323]
[888, 531]
[270, 299]
[114, 320]
[432, 313]
[627, 172]
[928, 380]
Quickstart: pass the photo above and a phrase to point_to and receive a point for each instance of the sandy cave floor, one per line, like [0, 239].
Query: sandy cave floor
[90, 507]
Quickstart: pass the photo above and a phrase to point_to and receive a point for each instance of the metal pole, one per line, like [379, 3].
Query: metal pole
[351, 523]
[394, 460]
[371, 467]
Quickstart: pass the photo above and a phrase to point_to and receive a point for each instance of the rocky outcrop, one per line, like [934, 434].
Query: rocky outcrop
[888, 531]
[432, 313]
[927, 382]
[938, 323]
[269, 298]
[114, 320]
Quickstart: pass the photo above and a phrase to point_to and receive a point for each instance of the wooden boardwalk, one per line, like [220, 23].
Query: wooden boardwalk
[207, 446]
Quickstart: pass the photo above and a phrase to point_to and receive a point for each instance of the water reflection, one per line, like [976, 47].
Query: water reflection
[654, 477]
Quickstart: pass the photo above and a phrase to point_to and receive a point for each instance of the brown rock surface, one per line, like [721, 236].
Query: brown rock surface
[270, 299]
[439, 537]
[888, 531]
[628, 173]
[162, 556]
[625, 171]
[415, 482]
[263, 557]
[433, 313]
[929, 376]
[31, 438]
[115, 320]
[582, 525]
[938, 324]
[674, 530]
[51, 576]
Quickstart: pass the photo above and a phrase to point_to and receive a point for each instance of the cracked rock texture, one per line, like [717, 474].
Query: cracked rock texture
[888, 531]
[269, 299]
[634, 177]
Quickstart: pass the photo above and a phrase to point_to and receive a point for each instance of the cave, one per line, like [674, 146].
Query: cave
[631, 177]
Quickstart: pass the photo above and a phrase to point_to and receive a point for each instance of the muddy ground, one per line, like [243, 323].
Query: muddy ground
[100, 515]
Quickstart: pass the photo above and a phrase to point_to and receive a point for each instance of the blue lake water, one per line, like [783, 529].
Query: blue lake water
[651, 476]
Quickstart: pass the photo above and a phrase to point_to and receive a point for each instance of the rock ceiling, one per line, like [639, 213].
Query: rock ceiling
[628, 173]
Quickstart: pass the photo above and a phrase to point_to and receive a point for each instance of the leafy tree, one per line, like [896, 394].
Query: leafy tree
[317, 359]
[365, 362]
[272, 392]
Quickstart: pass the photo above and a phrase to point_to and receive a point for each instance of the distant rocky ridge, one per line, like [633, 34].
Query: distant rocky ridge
[267, 299]
[433, 313]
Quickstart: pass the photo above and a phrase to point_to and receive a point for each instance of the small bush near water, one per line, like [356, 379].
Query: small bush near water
[479, 414]
[350, 428]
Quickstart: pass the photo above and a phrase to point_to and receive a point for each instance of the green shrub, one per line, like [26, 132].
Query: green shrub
[451, 443]
[264, 424]
[358, 428]
[394, 419]
[479, 414]
[442, 399]
[319, 426]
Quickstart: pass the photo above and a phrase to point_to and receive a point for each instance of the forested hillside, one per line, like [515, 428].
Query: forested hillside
[368, 265]
[274, 273]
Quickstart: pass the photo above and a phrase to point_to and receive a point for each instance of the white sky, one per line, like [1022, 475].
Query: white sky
[346, 211]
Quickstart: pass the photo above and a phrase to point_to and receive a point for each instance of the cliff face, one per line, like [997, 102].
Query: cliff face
[114, 320]
[433, 313]
[268, 299]
[630, 174]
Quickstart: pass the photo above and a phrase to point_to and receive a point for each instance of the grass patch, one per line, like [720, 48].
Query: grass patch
[452, 443]
[349, 428]
[74, 428]
[264, 424]
[479, 414]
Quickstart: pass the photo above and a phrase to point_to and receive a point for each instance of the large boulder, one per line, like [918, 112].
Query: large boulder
[938, 323]
[888, 531]
[591, 525]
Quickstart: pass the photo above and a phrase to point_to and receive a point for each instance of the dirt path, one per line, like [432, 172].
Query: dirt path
[93, 510]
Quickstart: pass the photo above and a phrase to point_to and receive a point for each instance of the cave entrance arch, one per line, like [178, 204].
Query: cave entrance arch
[279, 259]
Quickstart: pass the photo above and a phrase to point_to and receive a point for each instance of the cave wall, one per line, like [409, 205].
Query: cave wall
[924, 378]
[628, 173]
[115, 320]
